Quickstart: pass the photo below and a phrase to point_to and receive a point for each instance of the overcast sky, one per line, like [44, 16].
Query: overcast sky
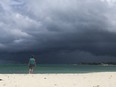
[58, 31]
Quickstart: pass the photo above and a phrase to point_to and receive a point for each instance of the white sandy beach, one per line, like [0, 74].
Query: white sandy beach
[103, 79]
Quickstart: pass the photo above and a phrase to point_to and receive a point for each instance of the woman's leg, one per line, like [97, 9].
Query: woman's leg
[30, 70]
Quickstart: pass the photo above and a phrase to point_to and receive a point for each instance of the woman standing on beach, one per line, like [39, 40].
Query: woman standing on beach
[31, 64]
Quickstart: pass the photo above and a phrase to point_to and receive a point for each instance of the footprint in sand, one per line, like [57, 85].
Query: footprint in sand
[55, 84]
[4, 84]
[97, 86]
[45, 78]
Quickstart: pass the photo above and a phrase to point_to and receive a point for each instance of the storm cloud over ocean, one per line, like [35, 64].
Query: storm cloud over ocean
[58, 31]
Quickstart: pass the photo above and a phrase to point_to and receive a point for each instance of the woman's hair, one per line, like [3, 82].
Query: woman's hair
[32, 56]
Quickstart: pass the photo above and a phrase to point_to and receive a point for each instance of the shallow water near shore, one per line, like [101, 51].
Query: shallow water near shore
[55, 68]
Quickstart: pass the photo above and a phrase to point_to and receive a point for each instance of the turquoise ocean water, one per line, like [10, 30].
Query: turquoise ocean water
[55, 68]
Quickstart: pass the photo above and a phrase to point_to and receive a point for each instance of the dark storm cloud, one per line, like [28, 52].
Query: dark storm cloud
[75, 31]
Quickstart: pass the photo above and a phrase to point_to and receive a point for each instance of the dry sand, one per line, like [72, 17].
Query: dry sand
[104, 79]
